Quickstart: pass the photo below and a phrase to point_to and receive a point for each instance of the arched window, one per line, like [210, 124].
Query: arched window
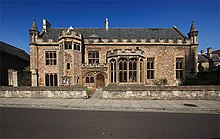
[89, 79]
[133, 70]
[113, 71]
[123, 70]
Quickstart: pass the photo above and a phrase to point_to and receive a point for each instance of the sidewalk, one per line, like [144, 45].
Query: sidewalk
[182, 106]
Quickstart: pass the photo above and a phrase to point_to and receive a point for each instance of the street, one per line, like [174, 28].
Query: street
[43, 123]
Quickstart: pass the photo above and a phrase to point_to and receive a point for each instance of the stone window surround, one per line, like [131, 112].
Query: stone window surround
[68, 66]
[52, 61]
[95, 55]
[182, 60]
[74, 45]
[68, 45]
[51, 79]
[150, 68]
[138, 58]
[89, 78]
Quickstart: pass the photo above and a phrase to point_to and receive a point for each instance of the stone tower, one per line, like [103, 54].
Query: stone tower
[33, 32]
[70, 57]
[193, 36]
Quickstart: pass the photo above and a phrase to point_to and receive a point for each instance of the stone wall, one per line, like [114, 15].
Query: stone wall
[166, 92]
[44, 92]
[19, 78]
[165, 57]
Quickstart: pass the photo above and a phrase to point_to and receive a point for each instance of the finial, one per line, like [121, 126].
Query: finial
[34, 26]
[192, 28]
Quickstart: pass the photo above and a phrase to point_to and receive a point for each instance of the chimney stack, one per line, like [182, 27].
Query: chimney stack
[202, 51]
[209, 52]
[46, 25]
[106, 24]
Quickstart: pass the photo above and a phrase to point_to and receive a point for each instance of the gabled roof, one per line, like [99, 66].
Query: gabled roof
[204, 58]
[120, 33]
[6, 48]
[216, 52]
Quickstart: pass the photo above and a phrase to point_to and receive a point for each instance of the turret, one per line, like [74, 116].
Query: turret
[193, 34]
[33, 32]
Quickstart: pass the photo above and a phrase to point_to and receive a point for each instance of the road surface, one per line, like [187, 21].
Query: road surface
[43, 123]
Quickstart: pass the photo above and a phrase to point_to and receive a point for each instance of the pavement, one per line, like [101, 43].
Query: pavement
[176, 106]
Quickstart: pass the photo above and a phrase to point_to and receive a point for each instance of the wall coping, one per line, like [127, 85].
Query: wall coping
[43, 88]
[115, 87]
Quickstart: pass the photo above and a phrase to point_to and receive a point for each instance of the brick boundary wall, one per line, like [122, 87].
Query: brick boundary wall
[211, 92]
[76, 91]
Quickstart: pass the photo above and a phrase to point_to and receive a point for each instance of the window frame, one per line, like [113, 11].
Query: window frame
[179, 68]
[90, 78]
[93, 57]
[51, 79]
[50, 57]
[150, 68]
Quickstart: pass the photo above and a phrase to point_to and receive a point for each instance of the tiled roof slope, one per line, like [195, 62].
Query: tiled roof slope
[120, 33]
[204, 58]
[4, 47]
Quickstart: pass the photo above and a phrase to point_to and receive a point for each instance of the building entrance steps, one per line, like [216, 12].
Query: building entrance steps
[97, 94]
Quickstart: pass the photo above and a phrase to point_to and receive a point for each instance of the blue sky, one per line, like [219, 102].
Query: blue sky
[17, 16]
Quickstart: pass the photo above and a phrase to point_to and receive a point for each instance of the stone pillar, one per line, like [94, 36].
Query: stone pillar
[138, 71]
[196, 59]
[117, 71]
[12, 77]
[15, 78]
[33, 78]
[127, 70]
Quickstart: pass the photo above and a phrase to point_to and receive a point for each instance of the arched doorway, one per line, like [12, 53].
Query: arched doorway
[100, 81]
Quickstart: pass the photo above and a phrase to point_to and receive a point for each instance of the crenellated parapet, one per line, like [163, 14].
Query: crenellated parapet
[139, 41]
[125, 52]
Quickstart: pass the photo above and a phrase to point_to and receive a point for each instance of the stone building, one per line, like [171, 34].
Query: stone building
[97, 57]
[11, 58]
[208, 61]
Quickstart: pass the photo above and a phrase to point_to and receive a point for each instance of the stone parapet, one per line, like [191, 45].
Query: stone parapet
[76, 91]
[166, 92]
[138, 41]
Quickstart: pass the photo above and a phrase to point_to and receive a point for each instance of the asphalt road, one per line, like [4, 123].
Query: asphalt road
[42, 123]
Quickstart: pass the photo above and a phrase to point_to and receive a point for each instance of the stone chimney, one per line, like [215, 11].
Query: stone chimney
[209, 52]
[202, 51]
[106, 24]
[46, 25]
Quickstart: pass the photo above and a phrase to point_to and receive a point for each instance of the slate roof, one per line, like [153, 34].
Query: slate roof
[4, 47]
[120, 33]
[216, 52]
[204, 58]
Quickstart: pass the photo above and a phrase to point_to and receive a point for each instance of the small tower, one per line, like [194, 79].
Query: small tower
[33, 32]
[193, 34]
[106, 24]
